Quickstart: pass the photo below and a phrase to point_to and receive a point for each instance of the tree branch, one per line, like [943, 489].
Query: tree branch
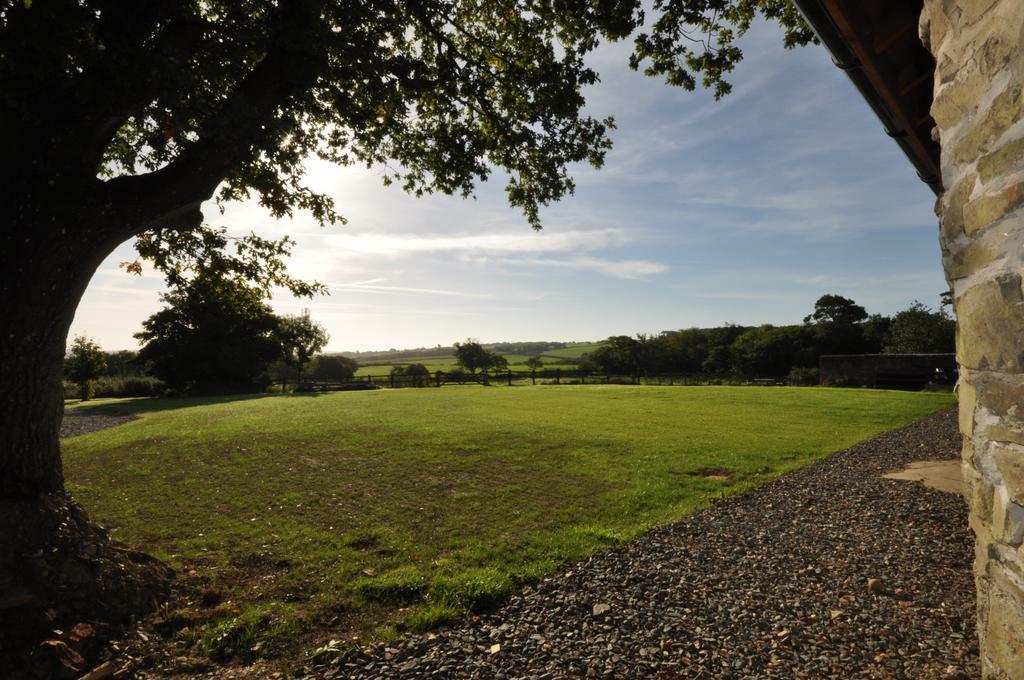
[231, 137]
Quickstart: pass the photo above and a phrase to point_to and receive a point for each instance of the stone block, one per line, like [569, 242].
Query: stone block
[960, 97]
[971, 11]
[969, 258]
[1004, 574]
[981, 499]
[985, 210]
[1002, 395]
[1003, 433]
[991, 324]
[1007, 158]
[968, 400]
[1004, 645]
[954, 200]
[932, 27]
[1007, 518]
[992, 123]
[1009, 460]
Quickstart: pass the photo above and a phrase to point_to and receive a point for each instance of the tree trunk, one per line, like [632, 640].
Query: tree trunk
[43, 274]
[56, 567]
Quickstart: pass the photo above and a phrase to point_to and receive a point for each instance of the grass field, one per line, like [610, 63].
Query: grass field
[364, 514]
[574, 351]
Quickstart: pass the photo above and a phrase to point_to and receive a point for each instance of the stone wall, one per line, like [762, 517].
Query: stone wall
[978, 103]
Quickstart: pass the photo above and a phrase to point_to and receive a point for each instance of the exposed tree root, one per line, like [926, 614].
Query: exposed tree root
[59, 571]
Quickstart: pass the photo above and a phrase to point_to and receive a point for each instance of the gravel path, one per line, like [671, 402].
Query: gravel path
[74, 424]
[770, 584]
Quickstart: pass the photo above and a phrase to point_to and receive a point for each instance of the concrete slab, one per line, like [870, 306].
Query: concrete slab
[943, 475]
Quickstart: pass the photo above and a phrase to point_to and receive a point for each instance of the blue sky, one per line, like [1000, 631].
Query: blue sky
[744, 210]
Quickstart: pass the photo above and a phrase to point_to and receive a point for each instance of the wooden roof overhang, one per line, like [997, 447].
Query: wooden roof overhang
[875, 43]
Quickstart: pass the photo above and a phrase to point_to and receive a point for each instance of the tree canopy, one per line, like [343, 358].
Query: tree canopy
[918, 329]
[175, 99]
[333, 367]
[836, 309]
[215, 336]
[301, 338]
[471, 355]
[535, 363]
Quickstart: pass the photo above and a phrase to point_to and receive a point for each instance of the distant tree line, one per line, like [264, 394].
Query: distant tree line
[218, 335]
[837, 325]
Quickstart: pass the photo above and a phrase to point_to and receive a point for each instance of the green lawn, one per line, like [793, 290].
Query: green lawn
[369, 513]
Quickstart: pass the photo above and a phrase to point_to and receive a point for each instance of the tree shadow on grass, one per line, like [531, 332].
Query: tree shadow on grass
[138, 405]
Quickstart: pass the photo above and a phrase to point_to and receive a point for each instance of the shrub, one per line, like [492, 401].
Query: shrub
[802, 375]
[457, 375]
[140, 386]
[841, 381]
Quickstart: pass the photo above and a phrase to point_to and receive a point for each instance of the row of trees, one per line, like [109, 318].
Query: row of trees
[837, 325]
[219, 335]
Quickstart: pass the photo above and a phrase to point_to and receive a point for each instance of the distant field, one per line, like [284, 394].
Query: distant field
[385, 369]
[443, 359]
[552, 359]
[572, 351]
[366, 514]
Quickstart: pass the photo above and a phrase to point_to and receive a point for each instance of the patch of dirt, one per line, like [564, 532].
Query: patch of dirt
[75, 424]
[713, 473]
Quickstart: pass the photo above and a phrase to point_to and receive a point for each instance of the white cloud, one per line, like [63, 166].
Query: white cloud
[398, 244]
[622, 269]
[373, 286]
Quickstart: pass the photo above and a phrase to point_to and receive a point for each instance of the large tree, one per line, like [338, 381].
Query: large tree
[214, 336]
[121, 118]
[471, 355]
[301, 338]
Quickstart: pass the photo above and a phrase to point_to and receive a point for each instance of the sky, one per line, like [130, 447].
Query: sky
[744, 210]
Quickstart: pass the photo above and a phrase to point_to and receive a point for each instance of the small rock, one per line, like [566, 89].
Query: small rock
[876, 586]
[601, 609]
[495, 649]
[55, 659]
